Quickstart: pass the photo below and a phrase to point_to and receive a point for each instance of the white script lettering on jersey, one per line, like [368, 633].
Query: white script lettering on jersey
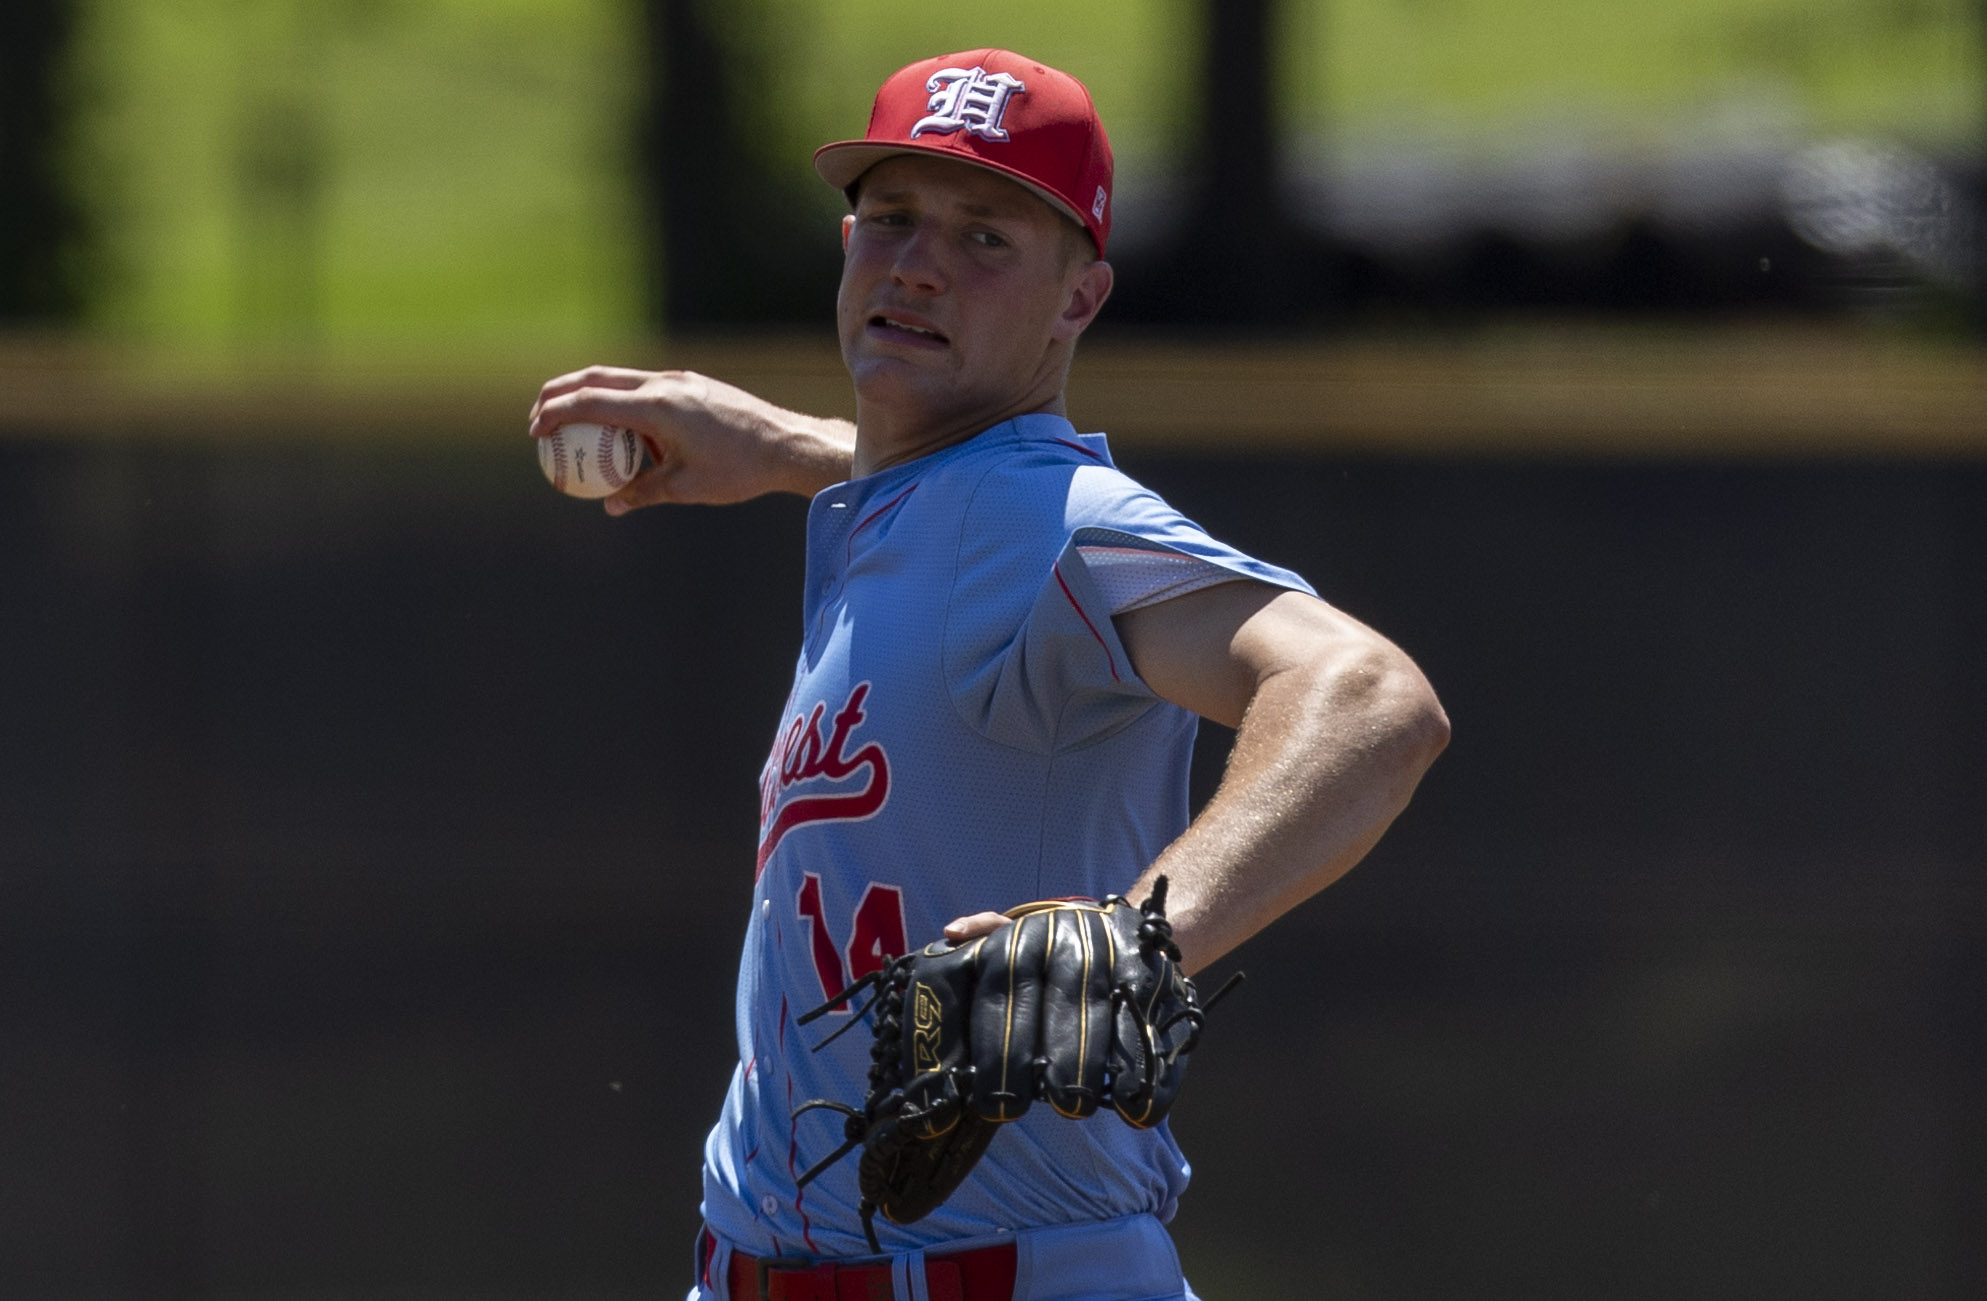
[967, 99]
[802, 756]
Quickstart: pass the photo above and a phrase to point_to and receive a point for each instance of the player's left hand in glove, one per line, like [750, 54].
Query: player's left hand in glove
[1075, 1003]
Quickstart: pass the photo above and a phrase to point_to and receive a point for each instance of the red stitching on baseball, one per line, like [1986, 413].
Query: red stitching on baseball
[610, 473]
[559, 458]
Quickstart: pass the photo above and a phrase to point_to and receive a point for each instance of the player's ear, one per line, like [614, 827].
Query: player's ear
[1088, 286]
[848, 224]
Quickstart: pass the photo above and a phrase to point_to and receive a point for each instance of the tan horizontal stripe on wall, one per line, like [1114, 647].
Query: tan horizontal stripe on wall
[1556, 390]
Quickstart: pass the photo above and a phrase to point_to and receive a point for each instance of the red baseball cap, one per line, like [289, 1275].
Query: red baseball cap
[994, 109]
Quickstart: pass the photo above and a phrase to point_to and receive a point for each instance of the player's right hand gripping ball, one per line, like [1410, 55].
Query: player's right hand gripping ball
[1074, 1003]
[587, 460]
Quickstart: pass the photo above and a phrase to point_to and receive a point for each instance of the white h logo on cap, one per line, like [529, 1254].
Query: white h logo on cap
[970, 100]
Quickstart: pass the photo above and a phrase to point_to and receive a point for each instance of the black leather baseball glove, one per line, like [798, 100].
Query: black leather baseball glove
[1074, 1003]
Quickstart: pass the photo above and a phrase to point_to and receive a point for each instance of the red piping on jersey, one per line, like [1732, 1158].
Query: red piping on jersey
[1080, 448]
[793, 1172]
[849, 551]
[1165, 556]
[1109, 659]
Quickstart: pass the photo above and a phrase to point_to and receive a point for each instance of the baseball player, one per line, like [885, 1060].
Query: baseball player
[1005, 645]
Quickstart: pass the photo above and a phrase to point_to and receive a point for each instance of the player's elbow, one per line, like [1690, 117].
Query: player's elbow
[1385, 698]
[1332, 677]
[1421, 721]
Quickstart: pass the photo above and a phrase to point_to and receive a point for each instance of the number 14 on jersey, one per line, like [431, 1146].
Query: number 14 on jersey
[875, 931]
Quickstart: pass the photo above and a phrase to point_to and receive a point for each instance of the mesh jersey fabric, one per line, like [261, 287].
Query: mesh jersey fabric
[963, 732]
[1129, 578]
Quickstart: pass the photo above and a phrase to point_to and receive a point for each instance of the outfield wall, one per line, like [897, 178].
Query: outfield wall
[375, 837]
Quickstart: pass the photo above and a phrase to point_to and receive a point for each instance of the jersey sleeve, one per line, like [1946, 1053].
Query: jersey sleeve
[1131, 578]
[1047, 671]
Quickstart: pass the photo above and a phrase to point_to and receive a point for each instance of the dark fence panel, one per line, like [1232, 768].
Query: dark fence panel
[375, 832]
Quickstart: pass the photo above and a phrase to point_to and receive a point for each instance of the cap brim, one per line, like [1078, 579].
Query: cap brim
[841, 163]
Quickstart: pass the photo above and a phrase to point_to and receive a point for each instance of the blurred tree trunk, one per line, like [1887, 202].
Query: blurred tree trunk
[1238, 258]
[1239, 228]
[1980, 187]
[739, 242]
[38, 219]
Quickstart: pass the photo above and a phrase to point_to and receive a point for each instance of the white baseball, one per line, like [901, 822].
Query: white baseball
[589, 460]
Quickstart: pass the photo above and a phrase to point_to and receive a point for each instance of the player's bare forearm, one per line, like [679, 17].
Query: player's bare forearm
[709, 442]
[1335, 727]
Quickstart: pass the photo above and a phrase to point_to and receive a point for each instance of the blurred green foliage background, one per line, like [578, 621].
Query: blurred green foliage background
[466, 172]
[1494, 74]
[358, 170]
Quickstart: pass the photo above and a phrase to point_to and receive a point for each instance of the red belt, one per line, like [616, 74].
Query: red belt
[982, 1274]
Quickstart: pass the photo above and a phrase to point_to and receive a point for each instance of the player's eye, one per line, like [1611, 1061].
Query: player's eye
[989, 239]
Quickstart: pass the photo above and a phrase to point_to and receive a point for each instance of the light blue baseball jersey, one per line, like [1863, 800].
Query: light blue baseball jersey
[964, 733]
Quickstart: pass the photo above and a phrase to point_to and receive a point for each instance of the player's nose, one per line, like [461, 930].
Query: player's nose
[920, 262]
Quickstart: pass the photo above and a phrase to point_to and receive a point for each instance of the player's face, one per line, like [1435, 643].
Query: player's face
[959, 301]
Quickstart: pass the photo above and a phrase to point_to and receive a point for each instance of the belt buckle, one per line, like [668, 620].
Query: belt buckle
[764, 1265]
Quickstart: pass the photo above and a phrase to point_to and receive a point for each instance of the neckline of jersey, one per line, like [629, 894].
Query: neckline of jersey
[1034, 427]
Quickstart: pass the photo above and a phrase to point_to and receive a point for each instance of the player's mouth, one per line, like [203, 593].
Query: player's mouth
[897, 328]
